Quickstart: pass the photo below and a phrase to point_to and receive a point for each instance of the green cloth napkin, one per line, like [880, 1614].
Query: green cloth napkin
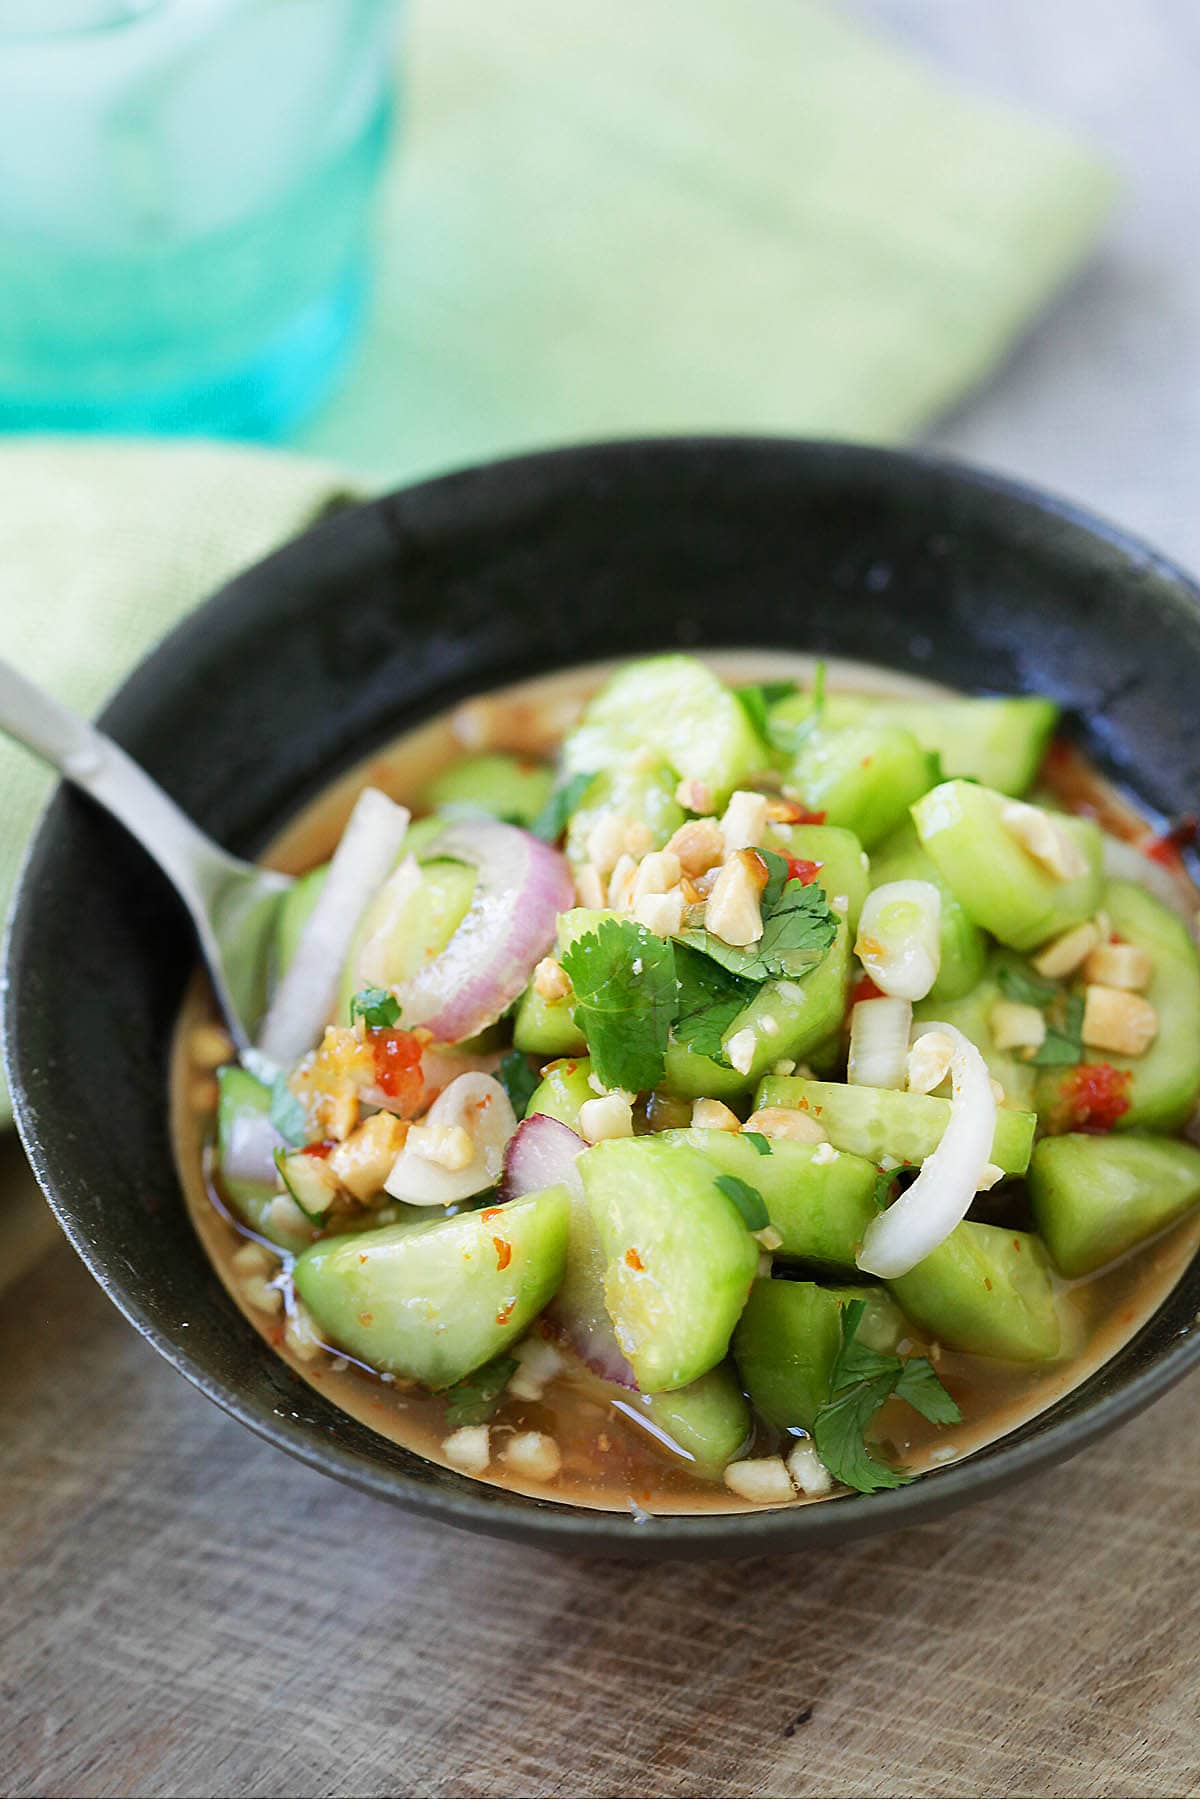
[745, 215]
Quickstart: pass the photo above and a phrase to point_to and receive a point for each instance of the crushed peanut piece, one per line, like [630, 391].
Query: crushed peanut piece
[620, 886]
[808, 1472]
[762, 1479]
[610, 1116]
[551, 980]
[533, 1454]
[300, 1333]
[929, 1062]
[714, 1115]
[538, 1362]
[469, 1449]
[744, 820]
[733, 912]
[253, 1259]
[258, 1293]
[657, 873]
[1046, 840]
[1116, 1020]
[1066, 953]
[740, 1050]
[989, 1175]
[699, 845]
[1125, 966]
[605, 842]
[825, 1153]
[363, 1161]
[1017, 1027]
[209, 1046]
[203, 1094]
[660, 913]
[449, 1146]
[787, 1122]
[589, 889]
[694, 796]
[769, 1238]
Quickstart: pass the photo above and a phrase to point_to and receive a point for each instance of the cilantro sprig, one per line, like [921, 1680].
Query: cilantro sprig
[551, 822]
[473, 1399]
[1062, 1045]
[375, 1006]
[860, 1382]
[747, 1199]
[518, 1080]
[798, 928]
[709, 1000]
[626, 1000]
[757, 698]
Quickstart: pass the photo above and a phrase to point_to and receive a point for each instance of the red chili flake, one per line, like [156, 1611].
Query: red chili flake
[505, 1313]
[365, 1318]
[397, 1057]
[1017, 1245]
[806, 816]
[864, 989]
[866, 762]
[503, 1252]
[634, 1260]
[801, 870]
[1169, 846]
[1094, 1096]
[320, 1149]
[490, 1212]
[987, 1281]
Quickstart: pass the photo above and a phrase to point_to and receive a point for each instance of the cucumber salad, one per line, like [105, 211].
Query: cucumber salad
[760, 1093]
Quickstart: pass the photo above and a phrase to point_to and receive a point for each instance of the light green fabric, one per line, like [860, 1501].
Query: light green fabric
[601, 219]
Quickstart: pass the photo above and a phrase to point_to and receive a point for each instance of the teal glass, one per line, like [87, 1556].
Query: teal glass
[185, 205]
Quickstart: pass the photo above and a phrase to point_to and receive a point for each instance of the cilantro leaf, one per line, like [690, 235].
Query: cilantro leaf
[709, 1000]
[788, 734]
[287, 1113]
[798, 928]
[759, 697]
[919, 1385]
[376, 1006]
[518, 1080]
[761, 1144]
[1022, 985]
[747, 1199]
[551, 822]
[625, 1001]
[474, 1399]
[1063, 1042]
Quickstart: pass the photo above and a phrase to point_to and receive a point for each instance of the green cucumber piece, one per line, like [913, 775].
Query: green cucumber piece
[1000, 742]
[1164, 1082]
[845, 866]
[498, 786]
[416, 930]
[785, 1346]
[434, 1301]
[985, 1290]
[254, 1202]
[546, 1027]
[562, 1091]
[706, 1424]
[963, 946]
[821, 1209]
[308, 1180]
[679, 1259]
[876, 1122]
[678, 708]
[997, 882]
[973, 1016]
[864, 777]
[639, 791]
[1094, 1198]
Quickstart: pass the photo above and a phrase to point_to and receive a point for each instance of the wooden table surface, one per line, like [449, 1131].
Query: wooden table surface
[185, 1611]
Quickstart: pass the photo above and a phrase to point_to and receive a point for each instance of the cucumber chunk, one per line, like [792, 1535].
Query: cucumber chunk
[845, 869]
[963, 946]
[633, 791]
[876, 1122]
[973, 1016]
[1094, 1198]
[1164, 1083]
[309, 1181]
[562, 1090]
[883, 1326]
[435, 1301]
[864, 777]
[1000, 742]
[677, 707]
[679, 1259]
[706, 1425]
[998, 883]
[241, 1097]
[500, 787]
[985, 1290]
[785, 1346]
[411, 930]
[820, 1209]
[546, 1027]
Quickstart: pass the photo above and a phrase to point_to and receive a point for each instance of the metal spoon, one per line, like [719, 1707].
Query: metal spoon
[233, 904]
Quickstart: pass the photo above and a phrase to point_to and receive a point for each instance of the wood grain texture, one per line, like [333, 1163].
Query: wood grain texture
[184, 1610]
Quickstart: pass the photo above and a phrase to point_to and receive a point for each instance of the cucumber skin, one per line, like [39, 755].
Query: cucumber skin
[964, 948]
[429, 920]
[820, 1209]
[709, 1421]
[864, 777]
[494, 785]
[427, 1301]
[679, 1258]
[876, 1122]
[997, 883]
[562, 1091]
[785, 1347]
[1095, 1198]
[845, 866]
[239, 1092]
[987, 1291]
[998, 740]
[546, 1027]
[1165, 1081]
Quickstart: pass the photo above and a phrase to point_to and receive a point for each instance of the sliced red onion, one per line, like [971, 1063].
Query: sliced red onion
[250, 1147]
[304, 1000]
[541, 1154]
[523, 885]
[925, 1215]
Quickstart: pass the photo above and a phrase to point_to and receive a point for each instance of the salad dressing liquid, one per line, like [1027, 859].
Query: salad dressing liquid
[609, 1460]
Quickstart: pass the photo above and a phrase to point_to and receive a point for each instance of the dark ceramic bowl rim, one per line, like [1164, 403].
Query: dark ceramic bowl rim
[565, 1526]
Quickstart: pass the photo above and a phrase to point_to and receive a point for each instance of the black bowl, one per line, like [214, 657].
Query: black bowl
[393, 610]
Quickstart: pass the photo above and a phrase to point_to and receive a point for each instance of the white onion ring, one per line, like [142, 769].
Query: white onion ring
[925, 1215]
[303, 1002]
[879, 1034]
[509, 926]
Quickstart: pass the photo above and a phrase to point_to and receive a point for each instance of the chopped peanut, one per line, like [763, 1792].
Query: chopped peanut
[609, 1116]
[258, 1293]
[300, 1333]
[824, 1154]
[694, 796]
[744, 820]
[589, 889]
[1116, 1020]
[657, 873]
[449, 1146]
[929, 1062]
[468, 1449]
[284, 1216]
[538, 1362]
[661, 913]
[1045, 839]
[203, 1094]
[1120, 966]
[806, 1469]
[534, 1454]
[1064, 954]
[620, 886]
[605, 843]
[209, 1046]
[714, 1115]
[763, 1479]
[733, 913]
[769, 1238]
[363, 1161]
[253, 1259]
[787, 1122]
[740, 1050]
[989, 1175]
[551, 980]
[698, 844]
[1017, 1027]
